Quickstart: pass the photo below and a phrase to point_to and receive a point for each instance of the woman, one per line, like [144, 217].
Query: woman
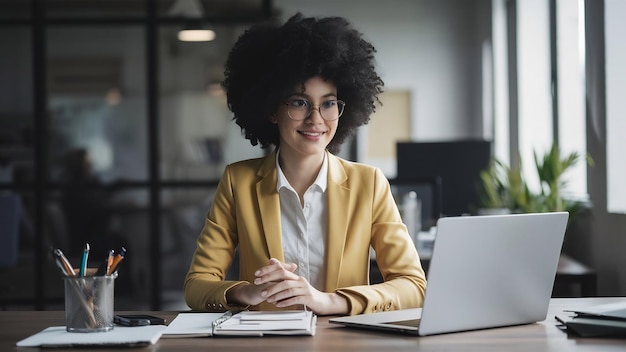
[303, 218]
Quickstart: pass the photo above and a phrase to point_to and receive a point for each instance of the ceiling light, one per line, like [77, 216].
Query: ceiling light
[191, 9]
[196, 35]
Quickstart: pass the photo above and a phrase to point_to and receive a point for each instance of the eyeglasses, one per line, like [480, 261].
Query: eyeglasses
[300, 109]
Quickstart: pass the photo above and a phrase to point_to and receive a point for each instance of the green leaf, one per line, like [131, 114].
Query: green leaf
[505, 187]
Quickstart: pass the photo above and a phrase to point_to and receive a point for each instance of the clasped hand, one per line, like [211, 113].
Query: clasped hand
[278, 284]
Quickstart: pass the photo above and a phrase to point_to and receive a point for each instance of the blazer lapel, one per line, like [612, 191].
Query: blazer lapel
[269, 208]
[338, 206]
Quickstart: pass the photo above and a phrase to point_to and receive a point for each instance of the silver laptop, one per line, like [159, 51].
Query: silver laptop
[485, 272]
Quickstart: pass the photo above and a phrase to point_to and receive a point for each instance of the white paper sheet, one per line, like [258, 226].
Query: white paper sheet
[57, 336]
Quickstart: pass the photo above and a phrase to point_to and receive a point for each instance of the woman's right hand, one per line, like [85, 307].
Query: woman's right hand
[244, 295]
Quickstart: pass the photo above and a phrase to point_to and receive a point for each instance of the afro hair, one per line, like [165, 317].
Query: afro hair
[269, 60]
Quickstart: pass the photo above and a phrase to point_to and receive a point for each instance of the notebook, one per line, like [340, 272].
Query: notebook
[485, 272]
[615, 310]
[245, 323]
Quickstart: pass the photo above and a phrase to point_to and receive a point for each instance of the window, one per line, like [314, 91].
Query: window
[500, 83]
[534, 84]
[570, 67]
[551, 86]
[615, 106]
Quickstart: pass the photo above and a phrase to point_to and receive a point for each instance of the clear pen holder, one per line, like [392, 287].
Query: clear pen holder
[89, 303]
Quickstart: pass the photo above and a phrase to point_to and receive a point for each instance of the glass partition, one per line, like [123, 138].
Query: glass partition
[97, 103]
[17, 166]
[198, 136]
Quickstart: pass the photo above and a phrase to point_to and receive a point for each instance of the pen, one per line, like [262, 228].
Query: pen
[104, 267]
[63, 263]
[109, 261]
[116, 261]
[217, 322]
[83, 263]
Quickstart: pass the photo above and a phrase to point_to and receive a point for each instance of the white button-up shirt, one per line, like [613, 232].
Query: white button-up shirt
[304, 227]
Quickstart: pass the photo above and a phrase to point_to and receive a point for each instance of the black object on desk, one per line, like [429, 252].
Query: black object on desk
[138, 320]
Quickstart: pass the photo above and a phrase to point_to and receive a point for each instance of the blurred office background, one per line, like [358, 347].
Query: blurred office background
[114, 131]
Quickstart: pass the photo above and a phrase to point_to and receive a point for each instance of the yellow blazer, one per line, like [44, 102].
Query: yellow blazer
[361, 213]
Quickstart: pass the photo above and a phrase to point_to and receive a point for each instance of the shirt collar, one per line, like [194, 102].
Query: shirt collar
[321, 181]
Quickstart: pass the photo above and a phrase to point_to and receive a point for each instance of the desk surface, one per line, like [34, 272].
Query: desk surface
[542, 336]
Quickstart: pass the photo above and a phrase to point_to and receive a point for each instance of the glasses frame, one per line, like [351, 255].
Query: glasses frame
[340, 103]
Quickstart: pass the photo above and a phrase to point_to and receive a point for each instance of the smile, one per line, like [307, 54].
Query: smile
[311, 134]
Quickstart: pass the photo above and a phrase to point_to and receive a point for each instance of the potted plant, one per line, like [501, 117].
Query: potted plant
[504, 190]
[505, 187]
